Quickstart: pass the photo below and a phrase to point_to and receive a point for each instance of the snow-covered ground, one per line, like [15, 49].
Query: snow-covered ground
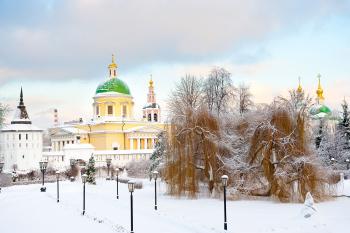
[26, 209]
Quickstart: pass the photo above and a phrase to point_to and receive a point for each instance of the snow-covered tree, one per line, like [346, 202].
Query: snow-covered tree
[344, 125]
[3, 111]
[334, 147]
[91, 171]
[244, 98]
[158, 154]
[218, 90]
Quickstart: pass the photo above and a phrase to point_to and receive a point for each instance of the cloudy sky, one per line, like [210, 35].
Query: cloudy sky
[58, 51]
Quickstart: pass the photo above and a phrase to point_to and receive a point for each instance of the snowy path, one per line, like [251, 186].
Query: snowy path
[26, 209]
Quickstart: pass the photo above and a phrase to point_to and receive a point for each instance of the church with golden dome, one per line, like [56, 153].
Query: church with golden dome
[113, 132]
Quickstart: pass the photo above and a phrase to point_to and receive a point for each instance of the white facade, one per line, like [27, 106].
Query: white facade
[21, 148]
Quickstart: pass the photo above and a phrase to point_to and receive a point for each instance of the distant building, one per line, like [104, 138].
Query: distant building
[21, 143]
[113, 132]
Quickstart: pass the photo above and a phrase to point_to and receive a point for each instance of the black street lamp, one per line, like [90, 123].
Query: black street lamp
[131, 186]
[108, 161]
[84, 177]
[58, 185]
[1, 167]
[117, 173]
[43, 166]
[347, 163]
[224, 179]
[155, 176]
[72, 162]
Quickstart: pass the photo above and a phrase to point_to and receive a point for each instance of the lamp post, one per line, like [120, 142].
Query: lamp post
[43, 166]
[108, 161]
[58, 185]
[117, 173]
[84, 177]
[155, 176]
[224, 179]
[131, 186]
[347, 163]
[1, 167]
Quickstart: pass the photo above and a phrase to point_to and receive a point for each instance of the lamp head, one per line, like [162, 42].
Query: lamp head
[72, 162]
[131, 186]
[224, 179]
[84, 178]
[155, 174]
[108, 161]
[57, 175]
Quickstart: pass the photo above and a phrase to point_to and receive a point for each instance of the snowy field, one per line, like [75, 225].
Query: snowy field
[26, 209]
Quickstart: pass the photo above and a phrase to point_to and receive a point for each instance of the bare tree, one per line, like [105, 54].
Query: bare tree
[244, 98]
[218, 90]
[3, 110]
[186, 97]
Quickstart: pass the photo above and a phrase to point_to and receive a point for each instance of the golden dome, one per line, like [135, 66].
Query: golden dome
[299, 89]
[113, 64]
[319, 90]
[151, 82]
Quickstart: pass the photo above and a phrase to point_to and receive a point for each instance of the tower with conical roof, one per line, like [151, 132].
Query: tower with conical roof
[26, 141]
[21, 114]
[151, 111]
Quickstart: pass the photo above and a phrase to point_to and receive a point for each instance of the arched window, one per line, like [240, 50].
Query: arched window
[124, 111]
[155, 117]
[150, 117]
[97, 110]
[110, 110]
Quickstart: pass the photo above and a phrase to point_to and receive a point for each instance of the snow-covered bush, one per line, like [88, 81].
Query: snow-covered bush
[138, 169]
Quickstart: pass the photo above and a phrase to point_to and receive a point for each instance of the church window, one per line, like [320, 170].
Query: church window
[19, 136]
[110, 110]
[26, 136]
[97, 110]
[150, 117]
[23, 156]
[155, 117]
[115, 148]
[72, 142]
[124, 111]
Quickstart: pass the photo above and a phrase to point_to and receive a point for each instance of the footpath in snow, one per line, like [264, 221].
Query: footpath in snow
[25, 209]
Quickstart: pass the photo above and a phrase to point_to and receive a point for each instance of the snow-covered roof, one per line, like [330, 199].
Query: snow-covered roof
[19, 127]
[67, 129]
[78, 146]
[146, 129]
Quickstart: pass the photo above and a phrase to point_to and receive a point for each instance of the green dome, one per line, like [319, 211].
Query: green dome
[320, 111]
[113, 85]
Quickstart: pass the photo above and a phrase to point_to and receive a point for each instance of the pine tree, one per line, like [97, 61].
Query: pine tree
[91, 171]
[158, 153]
[344, 125]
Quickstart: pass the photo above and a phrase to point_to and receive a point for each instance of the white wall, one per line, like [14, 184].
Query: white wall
[21, 148]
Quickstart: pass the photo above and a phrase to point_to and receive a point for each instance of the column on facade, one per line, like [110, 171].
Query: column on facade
[131, 143]
[139, 143]
[145, 143]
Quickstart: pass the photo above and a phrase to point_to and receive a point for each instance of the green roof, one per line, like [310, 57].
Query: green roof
[113, 85]
[320, 109]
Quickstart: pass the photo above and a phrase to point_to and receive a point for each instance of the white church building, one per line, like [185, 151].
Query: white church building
[21, 143]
